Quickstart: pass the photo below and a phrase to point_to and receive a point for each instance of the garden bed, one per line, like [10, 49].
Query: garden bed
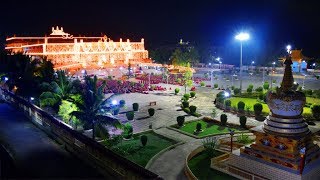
[209, 128]
[135, 152]
[200, 167]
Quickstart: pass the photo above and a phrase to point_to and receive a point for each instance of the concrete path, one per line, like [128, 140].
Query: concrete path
[34, 154]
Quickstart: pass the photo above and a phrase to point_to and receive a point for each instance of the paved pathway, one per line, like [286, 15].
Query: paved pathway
[35, 155]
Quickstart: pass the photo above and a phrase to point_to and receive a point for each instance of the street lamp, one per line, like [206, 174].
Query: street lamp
[289, 49]
[241, 37]
[231, 132]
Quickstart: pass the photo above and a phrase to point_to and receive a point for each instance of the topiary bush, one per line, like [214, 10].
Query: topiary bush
[249, 90]
[257, 109]
[130, 115]
[122, 103]
[241, 106]
[192, 94]
[135, 106]
[215, 85]
[202, 84]
[185, 104]
[315, 111]
[176, 91]
[243, 121]
[180, 120]
[227, 103]
[223, 119]
[250, 86]
[144, 140]
[186, 96]
[127, 131]
[236, 91]
[198, 127]
[259, 89]
[151, 111]
[193, 109]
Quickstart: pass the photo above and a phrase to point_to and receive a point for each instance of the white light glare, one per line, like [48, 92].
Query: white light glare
[31, 98]
[6, 78]
[114, 102]
[226, 94]
[242, 36]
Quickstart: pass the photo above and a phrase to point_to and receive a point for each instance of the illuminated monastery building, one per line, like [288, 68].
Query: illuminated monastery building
[66, 51]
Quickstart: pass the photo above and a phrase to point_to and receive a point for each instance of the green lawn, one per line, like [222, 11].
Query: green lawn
[141, 155]
[251, 102]
[200, 167]
[208, 128]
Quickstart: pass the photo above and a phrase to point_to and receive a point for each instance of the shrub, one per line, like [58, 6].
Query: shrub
[116, 111]
[176, 91]
[259, 89]
[249, 90]
[241, 105]
[236, 91]
[250, 86]
[232, 87]
[308, 92]
[262, 97]
[127, 131]
[192, 94]
[215, 85]
[122, 103]
[180, 120]
[202, 84]
[135, 106]
[198, 127]
[193, 109]
[243, 138]
[144, 140]
[257, 109]
[151, 111]
[243, 121]
[227, 103]
[186, 96]
[315, 111]
[223, 119]
[185, 104]
[130, 115]
[266, 85]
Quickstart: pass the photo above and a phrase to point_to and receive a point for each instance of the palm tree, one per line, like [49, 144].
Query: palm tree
[92, 99]
[56, 91]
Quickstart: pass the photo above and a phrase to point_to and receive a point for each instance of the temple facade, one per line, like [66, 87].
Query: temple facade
[66, 51]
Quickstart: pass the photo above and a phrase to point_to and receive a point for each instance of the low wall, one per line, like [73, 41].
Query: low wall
[91, 151]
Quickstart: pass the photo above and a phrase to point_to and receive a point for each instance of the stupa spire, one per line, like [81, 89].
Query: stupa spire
[287, 81]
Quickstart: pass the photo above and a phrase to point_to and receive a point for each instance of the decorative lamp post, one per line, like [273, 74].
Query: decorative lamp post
[231, 132]
[302, 153]
[241, 37]
[252, 63]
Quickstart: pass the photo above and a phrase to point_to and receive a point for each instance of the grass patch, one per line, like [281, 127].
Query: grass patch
[209, 128]
[135, 152]
[266, 110]
[200, 167]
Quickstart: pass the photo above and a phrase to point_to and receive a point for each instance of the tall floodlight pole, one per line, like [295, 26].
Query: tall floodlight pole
[241, 37]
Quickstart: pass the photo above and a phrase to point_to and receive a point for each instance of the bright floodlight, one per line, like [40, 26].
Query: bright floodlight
[209, 64]
[274, 63]
[242, 36]
[252, 62]
[314, 64]
[220, 62]
[289, 47]
[114, 102]
[31, 98]
[218, 58]
[6, 78]
[226, 94]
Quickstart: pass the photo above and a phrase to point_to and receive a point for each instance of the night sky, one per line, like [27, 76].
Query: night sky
[272, 23]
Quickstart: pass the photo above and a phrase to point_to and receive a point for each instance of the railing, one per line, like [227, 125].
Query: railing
[95, 153]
